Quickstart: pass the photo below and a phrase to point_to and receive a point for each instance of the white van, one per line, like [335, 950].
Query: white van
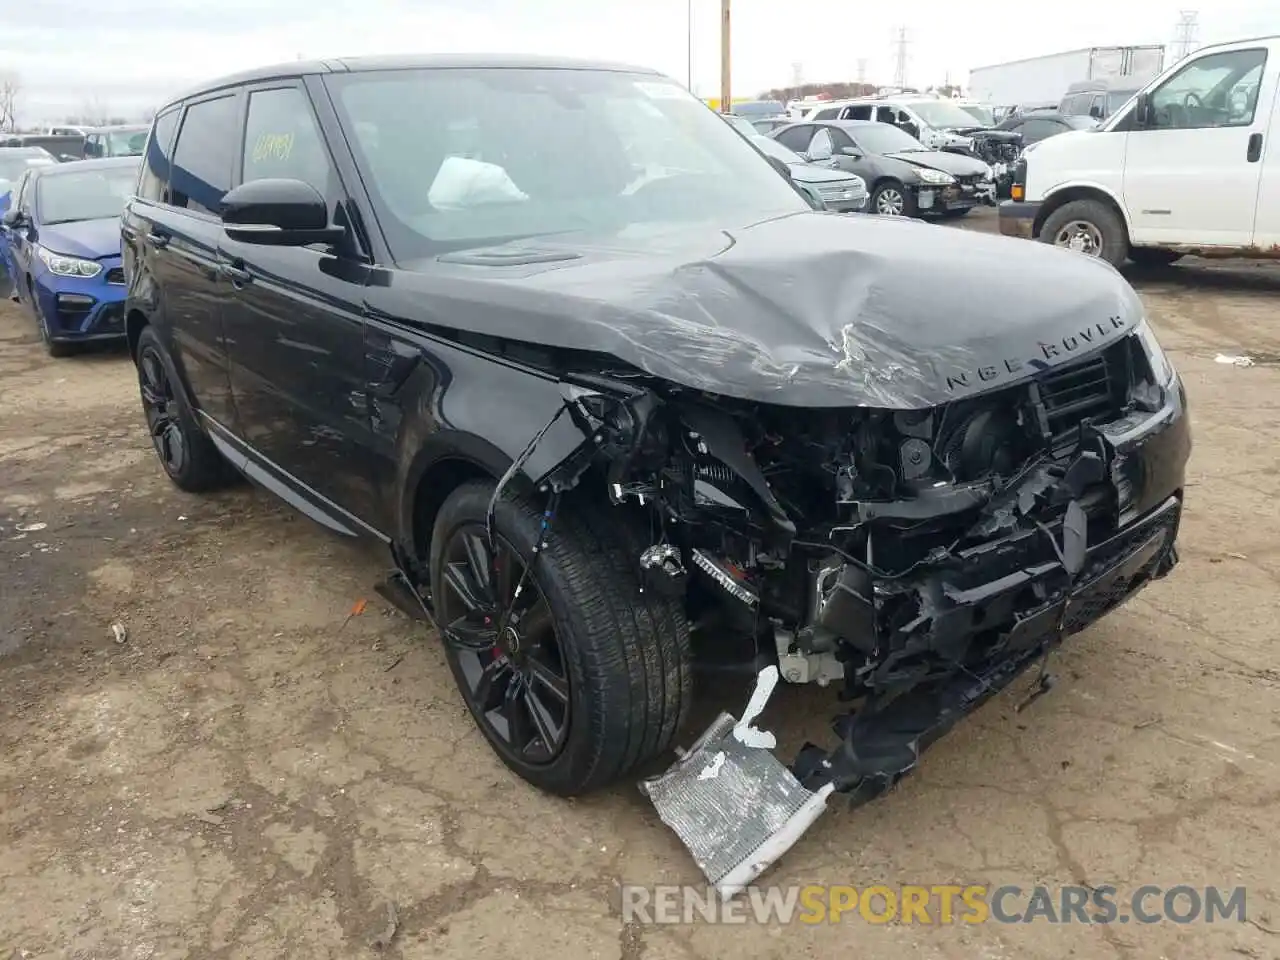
[1190, 165]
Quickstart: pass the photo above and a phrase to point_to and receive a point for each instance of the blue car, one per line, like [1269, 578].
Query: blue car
[63, 234]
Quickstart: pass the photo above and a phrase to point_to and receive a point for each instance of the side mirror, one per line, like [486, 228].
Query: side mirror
[820, 153]
[67, 157]
[1095, 111]
[14, 219]
[1142, 112]
[851, 152]
[282, 213]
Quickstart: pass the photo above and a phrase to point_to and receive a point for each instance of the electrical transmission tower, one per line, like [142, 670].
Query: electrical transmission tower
[900, 58]
[1187, 29]
[862, 69]
[797, 74]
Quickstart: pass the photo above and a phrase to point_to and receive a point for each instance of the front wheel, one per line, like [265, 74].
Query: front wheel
[572, 673]
[892, 199]
[55, 348]
[1089, 227]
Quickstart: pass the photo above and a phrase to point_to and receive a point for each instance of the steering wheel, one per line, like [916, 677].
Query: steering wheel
[1192, 101]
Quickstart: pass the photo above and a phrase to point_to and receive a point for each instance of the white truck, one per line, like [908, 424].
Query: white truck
[1041, 81]
[1190, 165]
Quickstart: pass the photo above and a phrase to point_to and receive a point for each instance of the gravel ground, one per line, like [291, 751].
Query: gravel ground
[248, 775]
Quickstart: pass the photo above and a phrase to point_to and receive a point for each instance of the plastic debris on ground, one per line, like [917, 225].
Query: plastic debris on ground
[1233, 360]
[731, 802]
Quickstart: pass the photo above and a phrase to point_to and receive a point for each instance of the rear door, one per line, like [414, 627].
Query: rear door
[179, 237]
[294, 322]
[1191, 176]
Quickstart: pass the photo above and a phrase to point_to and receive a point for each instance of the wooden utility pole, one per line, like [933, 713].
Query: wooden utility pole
[726, 100]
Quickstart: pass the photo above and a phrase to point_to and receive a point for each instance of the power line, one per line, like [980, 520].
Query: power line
[900, 58]
[1187, 33]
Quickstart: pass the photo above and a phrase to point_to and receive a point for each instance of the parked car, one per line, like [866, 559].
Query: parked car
[117, 141]
[904, 176]
[608, 423]
[1036, 126]
[771, 123]
[838, 190]
[1098, 98]
[1184, 168]
[14, 162]
[832, 189]
[937, 123]
[63, 232]
[62, 147]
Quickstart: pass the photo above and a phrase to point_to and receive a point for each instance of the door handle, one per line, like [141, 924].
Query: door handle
[158, 240]
[1254, 153]
[237, 275]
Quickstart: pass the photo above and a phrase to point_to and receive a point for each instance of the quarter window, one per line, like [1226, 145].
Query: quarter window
[797, 138]
[282, 140]
[1219, 90]
[153, 177]
[205, 155]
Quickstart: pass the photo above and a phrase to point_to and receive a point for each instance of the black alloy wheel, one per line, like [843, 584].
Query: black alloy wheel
[502, 637]
[160, 407]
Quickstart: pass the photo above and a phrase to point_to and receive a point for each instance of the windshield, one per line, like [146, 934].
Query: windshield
[759, 108]
[772, 148]
[471, 157]
[983, 115]
[126, 143]
[885, 138]
[85, 195]
[941, 114]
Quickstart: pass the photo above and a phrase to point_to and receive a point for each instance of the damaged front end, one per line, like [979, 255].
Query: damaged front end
[917, 560]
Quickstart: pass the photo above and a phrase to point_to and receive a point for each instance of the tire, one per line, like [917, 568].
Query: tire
[1153, 256]
[186, 453]
[625, 653]
[56, 349]
[883, 192]
[1107, 238]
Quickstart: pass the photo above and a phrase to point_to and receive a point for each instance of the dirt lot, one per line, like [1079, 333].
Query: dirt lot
[246, 776]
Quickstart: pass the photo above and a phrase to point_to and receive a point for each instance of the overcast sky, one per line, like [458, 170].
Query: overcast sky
[130, 54]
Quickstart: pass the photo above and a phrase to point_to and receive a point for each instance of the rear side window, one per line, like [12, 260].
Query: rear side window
[205, 155]
[153, 176]
[282, 140]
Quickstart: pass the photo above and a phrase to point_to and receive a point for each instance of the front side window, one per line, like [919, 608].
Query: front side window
[1208, 92]
[84, 195]
[204, 155]
[154, 179]
[470, 157]
[282, 140]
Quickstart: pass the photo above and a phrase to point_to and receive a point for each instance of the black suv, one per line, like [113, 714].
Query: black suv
[621, 402]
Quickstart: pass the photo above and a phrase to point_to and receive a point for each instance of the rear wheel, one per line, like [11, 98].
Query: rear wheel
[1089, 227]
[573, 675]
[185, 451]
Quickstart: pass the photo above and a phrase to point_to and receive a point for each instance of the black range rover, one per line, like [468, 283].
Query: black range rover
[620, 402]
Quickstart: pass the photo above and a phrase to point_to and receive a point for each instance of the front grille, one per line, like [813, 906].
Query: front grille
[116, 275]
[1088, 389]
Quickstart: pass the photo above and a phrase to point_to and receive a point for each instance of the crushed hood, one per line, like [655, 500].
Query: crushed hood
[806, 310]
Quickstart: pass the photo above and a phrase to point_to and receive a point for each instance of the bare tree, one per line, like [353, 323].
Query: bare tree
[94, 112]
[10, 87]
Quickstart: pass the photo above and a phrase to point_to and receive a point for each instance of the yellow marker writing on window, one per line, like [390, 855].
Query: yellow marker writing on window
[272, 146]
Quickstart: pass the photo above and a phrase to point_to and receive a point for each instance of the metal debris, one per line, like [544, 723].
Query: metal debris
[383, 939]
[119, 632]
[1235, 361]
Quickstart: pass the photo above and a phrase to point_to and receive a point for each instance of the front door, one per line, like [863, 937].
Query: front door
[1188, 176]
[295, 327]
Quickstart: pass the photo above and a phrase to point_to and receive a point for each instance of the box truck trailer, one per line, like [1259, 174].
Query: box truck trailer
[1042, 81]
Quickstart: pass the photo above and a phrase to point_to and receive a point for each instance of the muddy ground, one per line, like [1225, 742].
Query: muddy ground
[246, 776]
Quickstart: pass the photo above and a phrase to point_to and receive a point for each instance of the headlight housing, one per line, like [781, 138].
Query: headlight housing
[61, 266]
[934, 176]
[1161, 367]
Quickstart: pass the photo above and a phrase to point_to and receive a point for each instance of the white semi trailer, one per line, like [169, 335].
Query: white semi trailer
[1043, 80]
